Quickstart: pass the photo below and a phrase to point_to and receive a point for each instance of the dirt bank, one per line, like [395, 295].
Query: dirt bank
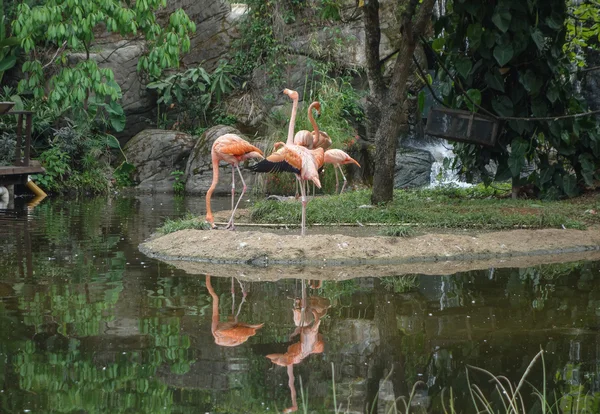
[262, 255]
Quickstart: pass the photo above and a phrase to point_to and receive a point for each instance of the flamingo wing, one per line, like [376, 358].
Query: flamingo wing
[239, 148]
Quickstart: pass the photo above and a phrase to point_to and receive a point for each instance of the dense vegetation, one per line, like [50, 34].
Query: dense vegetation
[520, 62]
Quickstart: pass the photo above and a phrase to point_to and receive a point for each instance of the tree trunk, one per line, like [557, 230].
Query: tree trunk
[384, 120]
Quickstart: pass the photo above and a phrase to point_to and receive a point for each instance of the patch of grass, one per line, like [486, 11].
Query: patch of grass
[190, 221]
[398, 231]
[475, 207]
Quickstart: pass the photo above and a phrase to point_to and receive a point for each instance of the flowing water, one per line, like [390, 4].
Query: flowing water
[89, 324]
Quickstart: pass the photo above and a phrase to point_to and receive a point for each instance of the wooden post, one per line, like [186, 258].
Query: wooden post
[28, 126]
[19, 139]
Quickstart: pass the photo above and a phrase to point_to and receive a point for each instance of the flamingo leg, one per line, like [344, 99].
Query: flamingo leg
[304, 202]
[344, 177]
[232, 296]
[230, 225]
[244, 294]
[232, 185]
[337, 182]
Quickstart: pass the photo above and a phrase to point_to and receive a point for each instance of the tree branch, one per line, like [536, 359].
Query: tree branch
[372, 40]
[411, 32]
[59, 50]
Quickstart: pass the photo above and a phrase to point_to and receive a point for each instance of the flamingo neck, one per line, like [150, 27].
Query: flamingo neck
[313, 122]
[215, 305]
[290, 138]
[213, 185]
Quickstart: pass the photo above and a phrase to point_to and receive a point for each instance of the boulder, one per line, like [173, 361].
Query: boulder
[156, 153]
[215, 29]
[413, 168]
[199, 171]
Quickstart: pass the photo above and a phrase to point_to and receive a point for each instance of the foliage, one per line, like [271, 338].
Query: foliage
[583, 29]
[398, 231]
[189, 221]
[123, 175]
[192, 92]
[57, 165]
[77, 159]
[514, 66]
[8, 144]
[259, 43]
[400, 284]
[179, 183]
[8, 45]
[433, 208]
[84, 88]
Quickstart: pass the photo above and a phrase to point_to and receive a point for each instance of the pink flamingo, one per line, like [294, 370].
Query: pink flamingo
[231, 149]
[338, 158]
[231, 333]
[294, 158]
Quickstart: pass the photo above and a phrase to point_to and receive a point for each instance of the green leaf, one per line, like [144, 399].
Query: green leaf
[438, 44]
[474, 32]
[588, 168]
[503, 54]
[7, 63]
[421, 100]
[503, 106]
[516, 160]
[538, 38]
[494, 80]
[552, 93]
[569, 185]
[546, 175]
[501, 18]
[531, 81]
[475, 95]
[463, 66]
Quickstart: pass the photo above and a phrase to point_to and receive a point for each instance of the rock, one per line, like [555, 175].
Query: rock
[156, 153]
[215, 29]
[198, 172]
[413, 168]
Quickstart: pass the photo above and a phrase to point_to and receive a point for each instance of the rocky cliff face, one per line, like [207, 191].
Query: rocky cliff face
[215, 29]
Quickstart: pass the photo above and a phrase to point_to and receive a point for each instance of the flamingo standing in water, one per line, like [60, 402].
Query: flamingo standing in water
[232, 149]
[231, 333]
[338, 158]
[294, 158]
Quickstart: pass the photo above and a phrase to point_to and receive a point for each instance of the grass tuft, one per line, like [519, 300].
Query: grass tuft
[398, 231]
[189, 221]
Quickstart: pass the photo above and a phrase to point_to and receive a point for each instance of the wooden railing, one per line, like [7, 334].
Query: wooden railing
[23, 147]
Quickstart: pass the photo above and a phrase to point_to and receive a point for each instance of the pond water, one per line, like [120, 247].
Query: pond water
[89, 324]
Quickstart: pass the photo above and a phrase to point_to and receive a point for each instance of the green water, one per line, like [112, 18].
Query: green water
[89, 324]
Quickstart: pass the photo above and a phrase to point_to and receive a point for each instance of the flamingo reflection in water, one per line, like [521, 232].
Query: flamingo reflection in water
[232, 332]
[307, 318]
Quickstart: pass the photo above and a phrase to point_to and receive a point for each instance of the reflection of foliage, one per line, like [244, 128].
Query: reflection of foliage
[400, 284]
[169, 345]
[68, 381]
[576, 396]
[71, 307]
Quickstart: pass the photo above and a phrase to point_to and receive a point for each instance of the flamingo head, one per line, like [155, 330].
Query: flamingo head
[278, 145]
[317, 107]
[293, 95]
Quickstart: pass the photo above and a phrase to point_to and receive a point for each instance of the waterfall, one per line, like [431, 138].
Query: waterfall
[440, 175]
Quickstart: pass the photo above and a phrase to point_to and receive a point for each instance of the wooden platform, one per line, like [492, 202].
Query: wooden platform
[14, 174]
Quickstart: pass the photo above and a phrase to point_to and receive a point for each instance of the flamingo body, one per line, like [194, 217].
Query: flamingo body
[231, 149]
[338, 158]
